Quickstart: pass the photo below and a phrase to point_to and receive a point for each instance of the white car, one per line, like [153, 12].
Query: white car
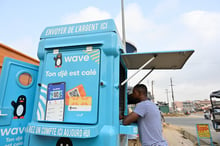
[207, 114]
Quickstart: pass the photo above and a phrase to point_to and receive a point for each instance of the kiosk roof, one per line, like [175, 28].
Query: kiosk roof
[163, 60]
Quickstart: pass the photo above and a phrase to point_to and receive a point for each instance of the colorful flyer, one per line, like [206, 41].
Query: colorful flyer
[76, 92]
[70, 86]
[55, 101]
[76, 99]
[203, 131]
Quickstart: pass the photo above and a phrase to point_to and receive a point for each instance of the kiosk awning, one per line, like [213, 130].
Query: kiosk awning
[162, 60]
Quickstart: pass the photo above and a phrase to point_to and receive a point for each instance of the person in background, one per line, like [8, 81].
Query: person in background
[148, 117]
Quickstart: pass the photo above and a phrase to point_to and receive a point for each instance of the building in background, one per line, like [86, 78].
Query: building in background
[178, 106]
[201, 105]
[192, 106]
[188, 106]
[163, 106]
[6, 51]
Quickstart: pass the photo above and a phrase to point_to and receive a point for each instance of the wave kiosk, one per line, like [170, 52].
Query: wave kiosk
[82, 85]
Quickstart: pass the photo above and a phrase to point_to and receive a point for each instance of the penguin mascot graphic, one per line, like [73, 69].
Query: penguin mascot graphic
[58, 60]
[63, 141]
[19, 107]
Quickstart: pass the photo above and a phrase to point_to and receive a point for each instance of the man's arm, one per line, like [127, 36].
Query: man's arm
[132, 117]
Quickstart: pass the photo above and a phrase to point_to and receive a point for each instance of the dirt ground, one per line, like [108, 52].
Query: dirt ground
[174, 137]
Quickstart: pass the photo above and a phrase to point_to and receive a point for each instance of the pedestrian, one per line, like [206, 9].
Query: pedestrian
[148, 117]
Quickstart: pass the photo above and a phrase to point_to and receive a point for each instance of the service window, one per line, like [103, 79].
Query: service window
[122, 91]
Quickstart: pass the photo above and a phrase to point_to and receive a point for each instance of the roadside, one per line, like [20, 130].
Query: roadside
[174, 137]
[186, 125]
[182, 136]
[191, 134]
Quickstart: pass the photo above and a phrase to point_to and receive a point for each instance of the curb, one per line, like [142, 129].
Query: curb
[193, 138]
[190, 136]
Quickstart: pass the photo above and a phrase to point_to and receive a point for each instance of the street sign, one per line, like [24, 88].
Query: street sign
[203, 131]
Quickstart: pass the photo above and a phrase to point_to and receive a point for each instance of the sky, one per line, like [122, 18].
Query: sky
[151, 25]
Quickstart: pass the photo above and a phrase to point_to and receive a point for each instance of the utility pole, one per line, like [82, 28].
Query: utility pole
[167, 97]
[152, 89]
[123, 24]
[171, 85]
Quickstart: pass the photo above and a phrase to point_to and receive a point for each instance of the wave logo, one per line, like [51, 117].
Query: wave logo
[12, 131]
[42, 102]
[77, 58]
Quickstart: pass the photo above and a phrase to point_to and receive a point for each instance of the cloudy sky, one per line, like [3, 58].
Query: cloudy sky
[152, 25]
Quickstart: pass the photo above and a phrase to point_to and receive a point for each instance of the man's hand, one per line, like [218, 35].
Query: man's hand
[121, 117]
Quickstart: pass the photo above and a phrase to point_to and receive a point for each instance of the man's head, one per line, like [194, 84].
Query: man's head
[140, 91]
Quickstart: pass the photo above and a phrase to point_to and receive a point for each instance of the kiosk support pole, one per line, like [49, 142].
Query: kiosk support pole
[145, 75]
[149, 61]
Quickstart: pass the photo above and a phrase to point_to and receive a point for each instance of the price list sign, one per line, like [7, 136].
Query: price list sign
[203, 131]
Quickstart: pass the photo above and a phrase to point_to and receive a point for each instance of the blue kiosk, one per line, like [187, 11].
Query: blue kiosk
[81, 86]
[77, 99]
[18, 82]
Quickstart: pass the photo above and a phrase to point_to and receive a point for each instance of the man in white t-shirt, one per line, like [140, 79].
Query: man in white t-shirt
[147, 114]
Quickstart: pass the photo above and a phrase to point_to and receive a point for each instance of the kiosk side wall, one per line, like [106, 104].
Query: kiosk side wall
[106, 125]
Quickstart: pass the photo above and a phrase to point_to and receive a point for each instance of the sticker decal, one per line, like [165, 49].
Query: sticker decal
[42, 102]
[63, 141]
[58, 60]
[19, 107]
[77, 91]
[55, 101]
[94, 55]
[77, 100]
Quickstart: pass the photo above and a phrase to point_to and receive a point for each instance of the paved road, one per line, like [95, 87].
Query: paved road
[189, 122]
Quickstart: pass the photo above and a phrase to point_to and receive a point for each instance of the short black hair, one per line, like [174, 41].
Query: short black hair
[141, 88]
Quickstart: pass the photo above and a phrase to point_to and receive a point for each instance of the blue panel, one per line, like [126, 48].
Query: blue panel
[16, 100]
[5, 116]
[77, 137]
[129, 129]
[78, 70]
[63, 130]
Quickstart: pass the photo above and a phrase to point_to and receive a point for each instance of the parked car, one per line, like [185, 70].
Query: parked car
[207, 114]
[217, 113]
[187, 112]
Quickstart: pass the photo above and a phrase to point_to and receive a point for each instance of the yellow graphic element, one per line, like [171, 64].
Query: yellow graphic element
[85, 100]
[203, 130]
[95, 55]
